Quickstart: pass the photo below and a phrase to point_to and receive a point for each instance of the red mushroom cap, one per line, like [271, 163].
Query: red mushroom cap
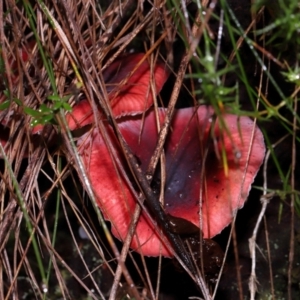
[222, 193]
[135, 96]
[114, 196]
[128, 81]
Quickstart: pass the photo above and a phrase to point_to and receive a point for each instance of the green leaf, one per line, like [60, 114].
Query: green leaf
[54, 98]
[45, 109]
[4, 105]
[46, 119]
[18, 101]
[67, 106]
[57, 106]
[57, 98]
[6, 93]
[31, 112]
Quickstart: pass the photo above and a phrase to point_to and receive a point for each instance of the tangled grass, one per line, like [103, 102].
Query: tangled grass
[54, 242]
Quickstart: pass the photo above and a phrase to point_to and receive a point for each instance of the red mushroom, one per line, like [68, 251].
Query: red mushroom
[128, 81]
[200, 187]
[222, 193]
[208, 201]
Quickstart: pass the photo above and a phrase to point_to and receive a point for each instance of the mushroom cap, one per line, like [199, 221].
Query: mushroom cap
[209, 201]
[128, 83]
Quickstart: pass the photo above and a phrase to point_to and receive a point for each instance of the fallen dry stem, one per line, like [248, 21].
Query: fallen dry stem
[265, 199]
